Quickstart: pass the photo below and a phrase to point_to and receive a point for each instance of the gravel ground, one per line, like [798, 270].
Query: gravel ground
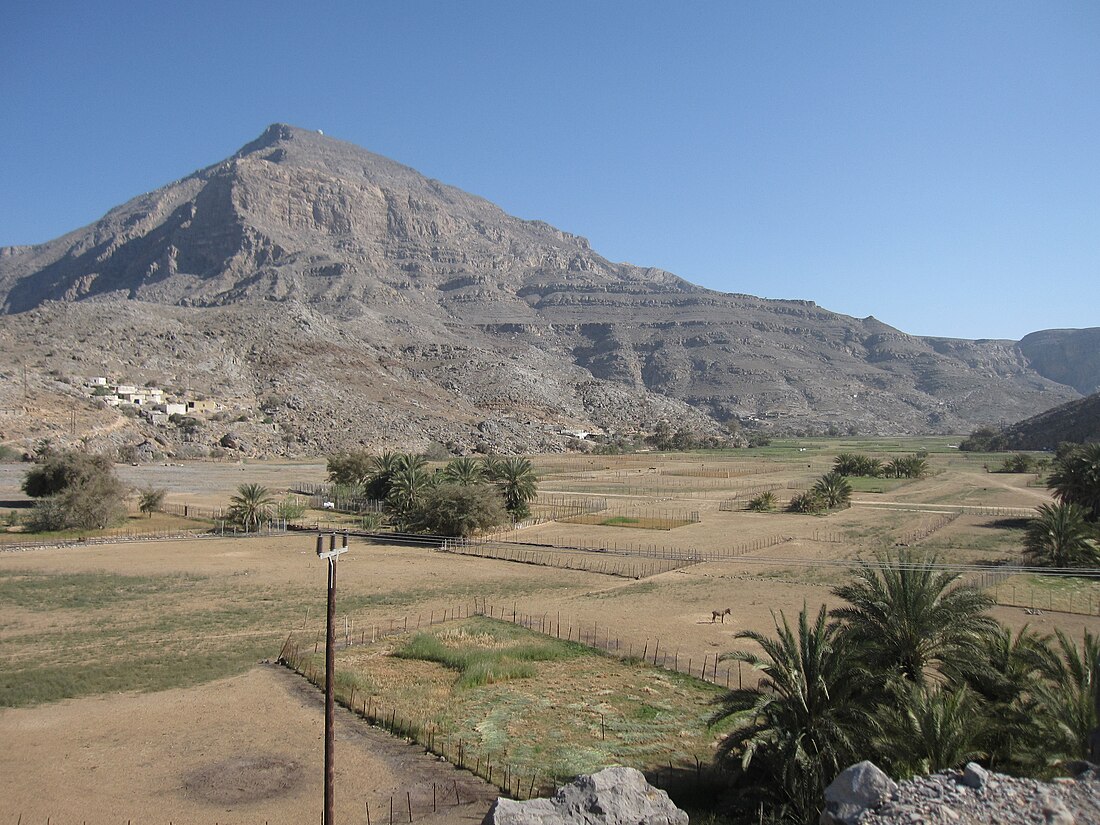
[976, 797]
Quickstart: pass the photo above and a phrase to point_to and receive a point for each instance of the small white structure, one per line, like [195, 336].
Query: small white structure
[97, 382]
[175, 408]
[125, 389]
[110, 400]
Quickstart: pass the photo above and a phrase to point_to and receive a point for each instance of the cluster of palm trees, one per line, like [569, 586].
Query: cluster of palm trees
[858, 464]
[406, 483]
[1066, 533]
[830, 492]
[911, 673]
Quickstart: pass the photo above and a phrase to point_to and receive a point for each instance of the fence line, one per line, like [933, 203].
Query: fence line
[269, 529]
[193, 511]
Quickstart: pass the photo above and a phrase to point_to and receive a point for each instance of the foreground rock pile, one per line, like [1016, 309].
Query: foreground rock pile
[614, 796]
[864, 795]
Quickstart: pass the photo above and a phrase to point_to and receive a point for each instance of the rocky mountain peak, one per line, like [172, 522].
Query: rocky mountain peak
[306, 250]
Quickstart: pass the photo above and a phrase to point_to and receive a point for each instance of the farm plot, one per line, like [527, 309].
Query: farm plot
[525, 708]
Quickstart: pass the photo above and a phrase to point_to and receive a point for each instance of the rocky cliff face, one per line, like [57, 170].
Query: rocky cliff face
[1068, 356]
[303, 266]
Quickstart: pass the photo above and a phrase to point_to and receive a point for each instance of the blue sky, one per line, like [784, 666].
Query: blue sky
[936, 165]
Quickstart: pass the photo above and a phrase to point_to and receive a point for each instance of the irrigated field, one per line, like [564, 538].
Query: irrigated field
[130, 672]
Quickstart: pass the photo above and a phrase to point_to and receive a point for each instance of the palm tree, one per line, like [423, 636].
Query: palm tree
[250, 507]
[848, 464]
[383, 468]
[907, 616]
[804, 721]
[807, 502]
[857, 464]
[929, 729]
[407, 484]
[515, 477]
[1005, 676]
[464, 471]
[763, 503]
[834, 490]
[1075, 478]
[1068, 695]
[909, 466]
[1060, 536]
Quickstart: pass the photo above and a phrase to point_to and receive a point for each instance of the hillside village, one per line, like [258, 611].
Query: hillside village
[151, 402]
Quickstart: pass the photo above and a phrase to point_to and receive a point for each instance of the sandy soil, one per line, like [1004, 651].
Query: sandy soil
[243, 750]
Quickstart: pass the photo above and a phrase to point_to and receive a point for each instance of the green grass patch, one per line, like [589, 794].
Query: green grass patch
[83, 591]
[481, 662]
[158, 669]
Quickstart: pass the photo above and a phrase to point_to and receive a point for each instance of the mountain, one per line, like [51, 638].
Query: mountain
[356, 300]
[1068, 356]
[1076, 421]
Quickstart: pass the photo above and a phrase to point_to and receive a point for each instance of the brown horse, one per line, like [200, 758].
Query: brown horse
[715, 615]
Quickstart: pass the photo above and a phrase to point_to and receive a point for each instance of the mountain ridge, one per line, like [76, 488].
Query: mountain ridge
[296, 232]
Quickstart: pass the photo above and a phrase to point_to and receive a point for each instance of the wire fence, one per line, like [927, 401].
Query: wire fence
[618, 558]
[562, 505]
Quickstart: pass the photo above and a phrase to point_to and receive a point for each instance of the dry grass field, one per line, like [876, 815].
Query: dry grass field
[130, 673]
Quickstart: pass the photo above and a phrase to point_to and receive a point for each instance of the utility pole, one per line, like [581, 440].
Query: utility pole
[331, 555]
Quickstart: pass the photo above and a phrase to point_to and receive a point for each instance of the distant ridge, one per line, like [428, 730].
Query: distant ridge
[382, 304]
[1076, 421]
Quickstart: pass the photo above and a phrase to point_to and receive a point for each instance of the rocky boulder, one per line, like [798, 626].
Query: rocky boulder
[232, 441]
[855, 789]
[614, 796]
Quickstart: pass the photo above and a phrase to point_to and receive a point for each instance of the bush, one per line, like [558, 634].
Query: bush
[151, 500]
[47, 516]
[458, 510]
[79, 491]
[984, 440]
[290, 509]
[1019, 463]
[62, 470]
[352, 469]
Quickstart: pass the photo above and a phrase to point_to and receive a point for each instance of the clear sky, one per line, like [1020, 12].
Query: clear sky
[934, 164]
